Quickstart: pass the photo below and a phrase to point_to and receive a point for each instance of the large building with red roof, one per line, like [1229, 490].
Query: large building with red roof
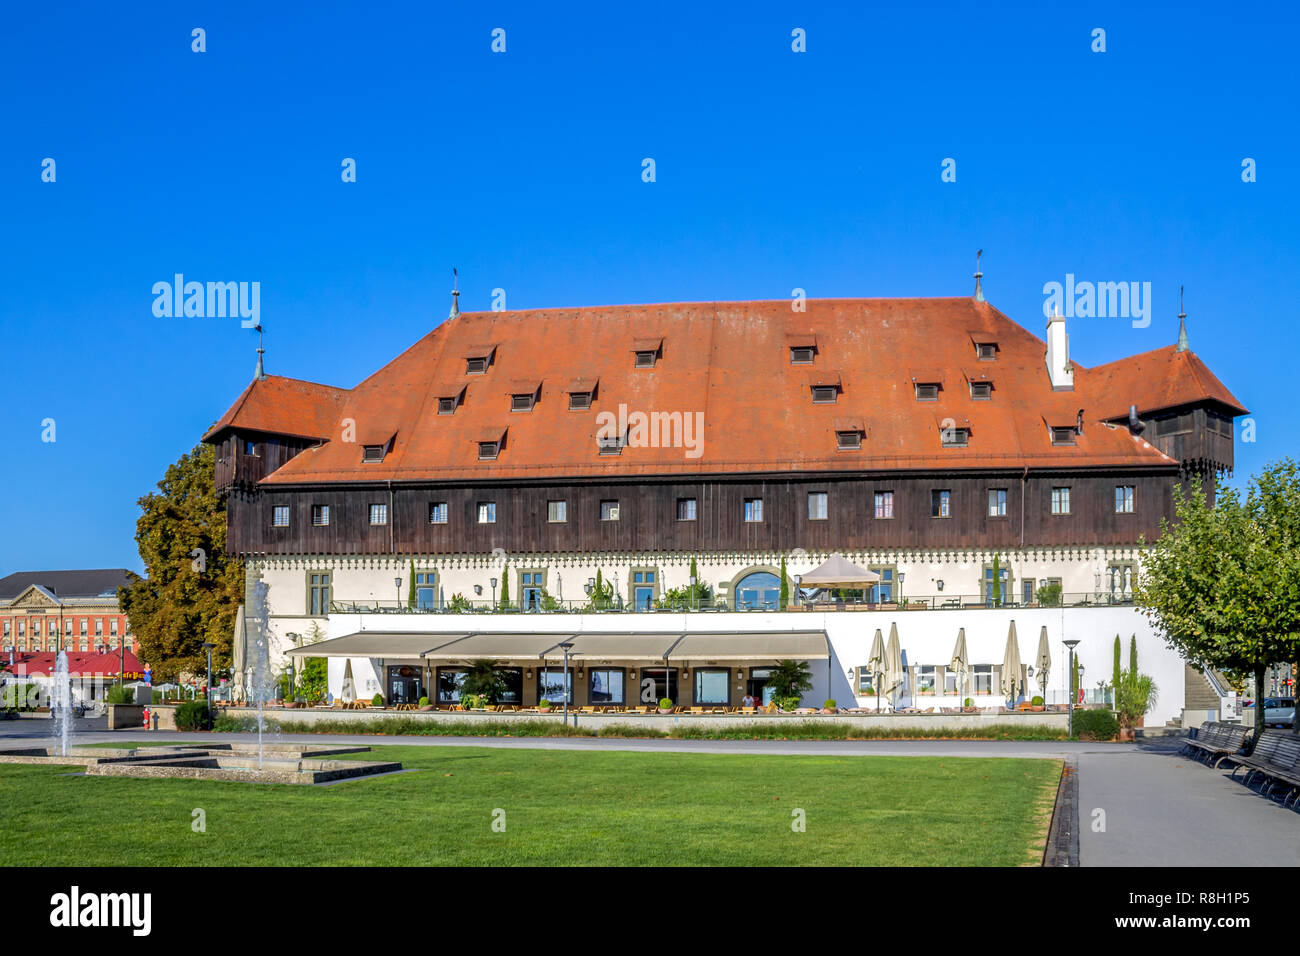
[959, 456]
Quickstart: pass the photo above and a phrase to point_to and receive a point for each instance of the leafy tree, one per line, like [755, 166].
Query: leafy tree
[1222, 584]
[790, 678]
[192, 590]
[313, 672]
[484, 679]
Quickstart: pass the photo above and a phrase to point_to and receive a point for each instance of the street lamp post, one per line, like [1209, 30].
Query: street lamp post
[397, 583]
[1070, 681]
[494, 593]
[208, 646]
[565, 683]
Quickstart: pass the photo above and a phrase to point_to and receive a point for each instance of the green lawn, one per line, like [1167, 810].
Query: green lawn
[561, 808]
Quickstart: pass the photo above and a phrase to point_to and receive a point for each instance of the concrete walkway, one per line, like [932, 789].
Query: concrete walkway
[1160, 809]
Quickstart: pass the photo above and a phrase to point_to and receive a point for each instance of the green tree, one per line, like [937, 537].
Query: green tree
[790, 678]
[785, 586]
[997, 581]
[192, 590]
[1115, 674]
[313, 672]
[410, 594]
[1222, 583]
[505, 587]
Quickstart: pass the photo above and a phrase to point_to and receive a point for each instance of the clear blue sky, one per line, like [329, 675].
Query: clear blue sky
[774, 170]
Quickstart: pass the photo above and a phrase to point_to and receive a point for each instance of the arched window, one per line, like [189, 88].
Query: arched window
[758, 591]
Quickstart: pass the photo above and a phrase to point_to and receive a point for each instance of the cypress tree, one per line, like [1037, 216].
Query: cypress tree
[785, 586]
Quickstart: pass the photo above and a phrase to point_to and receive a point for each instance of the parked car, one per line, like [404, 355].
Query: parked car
[1279, 711]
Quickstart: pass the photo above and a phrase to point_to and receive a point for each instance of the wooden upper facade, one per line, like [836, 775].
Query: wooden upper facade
[779, 430]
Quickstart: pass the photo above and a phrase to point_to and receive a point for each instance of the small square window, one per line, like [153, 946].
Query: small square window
[280, 516]
[955, 437]
[1063, 436]
[801, 355]
[609, 510]
[447, 406]
[487, 512]
[522, 402]
[250, 448]
[372, 453]
[488, 450]
[940, 503]
[475, 366]
[579, 401]
[997, 502]
[557, 512]
[817, 505]
[645, 359]
[378, 515]
[927, 392]
[986, 351]
[438, 512]
[685, 509]
[610, 446]
[884, 504]
[848, 441]
[981, 391]
[825, 394]
[320, 515]
[753, 510]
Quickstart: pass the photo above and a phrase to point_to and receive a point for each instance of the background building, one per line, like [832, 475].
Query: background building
[77, 611]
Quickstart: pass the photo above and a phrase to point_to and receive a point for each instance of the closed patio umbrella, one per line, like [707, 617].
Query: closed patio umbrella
[348, 693]
[894, 674]
[1044, 662]
[960, 664]
[1011, 665]
[876, 664]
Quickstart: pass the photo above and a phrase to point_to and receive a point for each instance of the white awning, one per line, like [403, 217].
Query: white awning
[374, 644]
[753, 645]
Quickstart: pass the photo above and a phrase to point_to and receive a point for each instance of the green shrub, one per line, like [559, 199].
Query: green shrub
[424, 702]
[1049, 595]
[377, 700]
[1036, 702]
[786, 703]
[968, 702]
[118, 694]
[543, 704]
[192, 715]
[665, 703]
[1095, 725]
[830, 704]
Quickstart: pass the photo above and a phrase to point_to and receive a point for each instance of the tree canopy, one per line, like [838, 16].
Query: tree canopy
[1222, 584]
[192, 591]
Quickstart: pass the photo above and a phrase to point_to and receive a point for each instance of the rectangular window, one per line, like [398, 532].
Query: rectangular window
[1063, 436]
[685, 509]
[112, 628]
[449, 680]
[320, 515]
[645, 359]
[610, 445]
[1174, 424]
[981, 391]
[438, 512]
[884, 504]
[1123, 499]
[1027, 590]
[378, 514]
[1061, 501]
[712, 686]
[848, 441]
[446, 406]
[99, 627]
[83, 627]
[753, 509]
[475, 366]
[986, 351]
[882, 592]
[955, 437]
[487, 512]
[579, 400]
[372, 453]
[554, 684]
[940, 502]
[925, 678]
[606, 685]
[801, 355]
[816, 506]
[522, 403]
[982, 678]
[866, 680]
[280, 516]
[609, 510]
[927, 392]
[825, 394]
[557, 512]
[36, 627]
[250, 448]
[487, 450]
[997, 502]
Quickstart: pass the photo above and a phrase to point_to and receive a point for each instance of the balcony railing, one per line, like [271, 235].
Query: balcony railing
[937, 602]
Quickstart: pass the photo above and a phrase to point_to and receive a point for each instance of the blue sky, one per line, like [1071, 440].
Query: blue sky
[775, 170]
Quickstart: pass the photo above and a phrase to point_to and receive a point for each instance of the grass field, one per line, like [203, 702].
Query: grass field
[561, 808]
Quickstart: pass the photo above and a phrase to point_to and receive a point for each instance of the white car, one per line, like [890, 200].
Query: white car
[1279, 711]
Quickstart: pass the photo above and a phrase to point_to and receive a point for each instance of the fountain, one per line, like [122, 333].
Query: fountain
[61, 702]
[259, 681]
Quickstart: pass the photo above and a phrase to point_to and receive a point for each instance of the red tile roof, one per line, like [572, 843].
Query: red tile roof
[729, 361]
[106, 663]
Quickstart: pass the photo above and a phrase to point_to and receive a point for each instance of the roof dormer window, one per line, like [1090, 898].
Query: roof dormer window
[848, 440]
[927, 391]
[610, 444]
[986, 351]
[645, 359]
[479, 358]
[446, 406]
[1063, 435]
[372, 453]
[582, 391]
[450, 400]
[825, 394]
[802, 354]
[647, 352]
[981, 391]
[956, 437]
[524, 396]
[579, 401]
[488, 450]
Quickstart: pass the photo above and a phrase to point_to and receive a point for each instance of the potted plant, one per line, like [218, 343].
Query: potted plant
[1135, 695]
[424, 704]
[830, 706]
[665, 705]
[377, 701]
[968, 706]
[544, 705]
[1036, 705]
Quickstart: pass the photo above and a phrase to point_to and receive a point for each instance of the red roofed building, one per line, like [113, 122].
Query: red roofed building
[930, 440]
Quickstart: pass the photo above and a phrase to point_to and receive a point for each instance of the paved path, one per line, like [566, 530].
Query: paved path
[1161, 809]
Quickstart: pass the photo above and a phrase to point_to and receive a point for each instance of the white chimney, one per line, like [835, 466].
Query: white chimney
[1059, 369]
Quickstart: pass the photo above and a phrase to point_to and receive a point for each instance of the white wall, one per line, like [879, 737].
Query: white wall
[926, 637]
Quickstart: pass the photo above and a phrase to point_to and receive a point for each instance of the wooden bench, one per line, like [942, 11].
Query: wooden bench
[1216, 742]
[1277, 759]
